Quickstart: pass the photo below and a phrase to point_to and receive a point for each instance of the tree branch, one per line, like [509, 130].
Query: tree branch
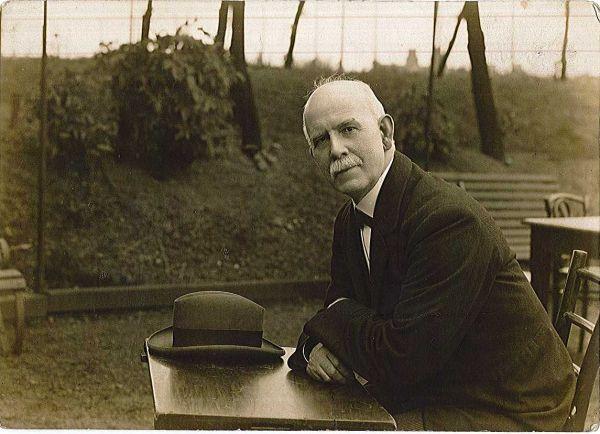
[440, 71]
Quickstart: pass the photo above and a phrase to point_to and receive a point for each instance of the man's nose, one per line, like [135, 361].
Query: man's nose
[338, 147]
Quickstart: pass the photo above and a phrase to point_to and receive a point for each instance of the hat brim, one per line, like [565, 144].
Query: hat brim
[160, 344]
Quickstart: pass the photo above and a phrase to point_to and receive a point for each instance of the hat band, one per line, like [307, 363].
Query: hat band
[194, 337]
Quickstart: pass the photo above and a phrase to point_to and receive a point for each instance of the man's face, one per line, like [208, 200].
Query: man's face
[345, 133]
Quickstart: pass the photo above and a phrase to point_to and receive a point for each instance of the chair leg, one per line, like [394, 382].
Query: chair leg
[584, 310]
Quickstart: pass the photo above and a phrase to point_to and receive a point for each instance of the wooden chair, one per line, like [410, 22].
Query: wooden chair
[577, 277]
[565, 205]
[569, 205]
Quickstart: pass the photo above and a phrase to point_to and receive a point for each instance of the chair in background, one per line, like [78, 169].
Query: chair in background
[577, 277]
[565, 205]
[569, 205]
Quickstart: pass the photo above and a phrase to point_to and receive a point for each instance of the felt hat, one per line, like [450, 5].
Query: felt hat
[214, 325]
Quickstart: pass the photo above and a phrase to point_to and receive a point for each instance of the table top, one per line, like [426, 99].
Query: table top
[204, 395]
[589, 224]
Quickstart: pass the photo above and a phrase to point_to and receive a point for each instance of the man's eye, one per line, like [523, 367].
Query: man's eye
[348, 129]
[318, 141]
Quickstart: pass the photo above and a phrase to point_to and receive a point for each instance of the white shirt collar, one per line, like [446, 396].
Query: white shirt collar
[367, 203]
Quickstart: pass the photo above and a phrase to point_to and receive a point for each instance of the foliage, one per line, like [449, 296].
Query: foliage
[172, 98]
[409, 111]
[106, 238]
[81, 120]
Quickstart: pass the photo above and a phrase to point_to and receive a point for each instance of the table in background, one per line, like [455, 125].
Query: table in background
[203, 395]
[550, 237]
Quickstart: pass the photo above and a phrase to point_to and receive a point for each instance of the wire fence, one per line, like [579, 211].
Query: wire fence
[519, 34]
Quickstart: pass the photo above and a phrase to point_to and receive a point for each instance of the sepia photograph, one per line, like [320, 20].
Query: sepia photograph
[300, 215]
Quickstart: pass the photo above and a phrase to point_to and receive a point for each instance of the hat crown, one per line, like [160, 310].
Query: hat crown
[215, 325]
[217, 310]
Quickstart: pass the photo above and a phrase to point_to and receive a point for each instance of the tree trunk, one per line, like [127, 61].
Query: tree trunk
[440, 71]
[563, 72]
[289, 58]
[146, 21]
[223, 10]
[429, 109]
[245, 110]
[487, 119]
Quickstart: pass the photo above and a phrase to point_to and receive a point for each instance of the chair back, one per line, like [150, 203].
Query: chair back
[565, 318]
[565, 205]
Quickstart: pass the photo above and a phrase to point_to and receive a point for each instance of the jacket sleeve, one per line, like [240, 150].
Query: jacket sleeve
[452, 262]
[339, 286]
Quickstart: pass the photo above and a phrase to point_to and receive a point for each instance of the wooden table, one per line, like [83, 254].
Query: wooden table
[202, 395]
[551, 237]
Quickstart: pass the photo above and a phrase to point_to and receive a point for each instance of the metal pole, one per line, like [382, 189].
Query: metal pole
[376, 37]
[1, 66]
[512, 38]
[1, 129]
[316, 31]
[430, 90]
[341, 66]
[131, 22]
[43, 138]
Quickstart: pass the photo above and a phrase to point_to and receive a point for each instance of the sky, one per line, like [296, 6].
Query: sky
[520, 33]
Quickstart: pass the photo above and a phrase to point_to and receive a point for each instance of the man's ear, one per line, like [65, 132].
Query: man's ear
[386, 126]
[311, 153]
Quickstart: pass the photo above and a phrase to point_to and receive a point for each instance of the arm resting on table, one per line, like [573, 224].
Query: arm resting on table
[453, 259]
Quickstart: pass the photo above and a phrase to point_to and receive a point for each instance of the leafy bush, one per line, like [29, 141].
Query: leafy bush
[172, 97]
[81, 121]
[409, 111]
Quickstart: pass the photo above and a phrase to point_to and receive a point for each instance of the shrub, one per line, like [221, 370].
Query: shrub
[81, 121]
[172, 97]
[409, 111]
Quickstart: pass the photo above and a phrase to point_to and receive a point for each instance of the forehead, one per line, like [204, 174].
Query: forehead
[334, 103]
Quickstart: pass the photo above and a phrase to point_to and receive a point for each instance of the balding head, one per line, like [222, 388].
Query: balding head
[357, 91]
[350, 137]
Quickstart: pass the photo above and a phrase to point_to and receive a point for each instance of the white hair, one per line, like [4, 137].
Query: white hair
[362, 87]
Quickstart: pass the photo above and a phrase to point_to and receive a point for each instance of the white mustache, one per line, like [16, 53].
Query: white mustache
[344, 163]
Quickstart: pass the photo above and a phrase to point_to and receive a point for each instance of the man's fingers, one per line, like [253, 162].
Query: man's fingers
[318, 373]
[326, 367]
[339, 366]
[315, 349]
[333, 373]
[324, 376]
[310, 371]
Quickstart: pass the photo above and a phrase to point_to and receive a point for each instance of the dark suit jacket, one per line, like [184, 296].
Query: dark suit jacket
[446, 321]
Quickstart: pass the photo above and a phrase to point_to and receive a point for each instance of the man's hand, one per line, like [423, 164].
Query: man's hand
[324, 366]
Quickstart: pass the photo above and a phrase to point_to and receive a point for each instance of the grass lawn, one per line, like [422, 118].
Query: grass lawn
[85, 372]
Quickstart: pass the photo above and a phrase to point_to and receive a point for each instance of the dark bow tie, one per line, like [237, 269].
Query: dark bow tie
[363, 219]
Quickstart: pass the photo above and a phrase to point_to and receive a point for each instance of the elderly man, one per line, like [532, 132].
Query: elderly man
[426, 302]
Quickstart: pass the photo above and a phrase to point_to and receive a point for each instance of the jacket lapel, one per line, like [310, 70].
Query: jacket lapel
[387, 215]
